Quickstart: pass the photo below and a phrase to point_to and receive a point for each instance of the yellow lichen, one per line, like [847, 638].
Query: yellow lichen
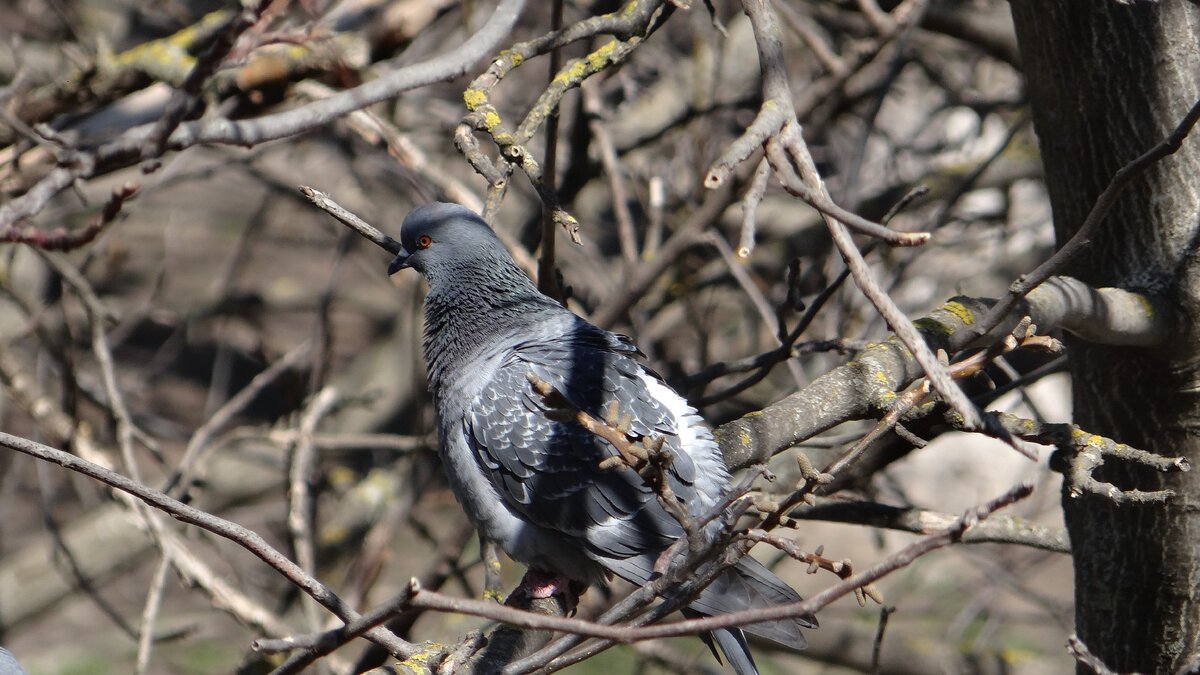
[960, 310]
[601, 56]
[744, 438]
[754, 413]
[514, 59]
[491, 120]
[186, 37]
[422, 661]
[576, 71]
[474, 98]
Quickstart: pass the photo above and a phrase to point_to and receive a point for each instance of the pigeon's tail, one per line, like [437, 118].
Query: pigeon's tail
[728, 641]
[749, 585]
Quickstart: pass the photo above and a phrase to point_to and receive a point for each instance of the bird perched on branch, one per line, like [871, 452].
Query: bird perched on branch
[514, 376]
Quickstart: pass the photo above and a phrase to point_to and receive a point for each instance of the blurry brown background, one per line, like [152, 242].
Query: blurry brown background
[219, 268]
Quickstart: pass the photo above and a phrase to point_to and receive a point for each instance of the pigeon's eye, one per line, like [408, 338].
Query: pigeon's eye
[424, 241]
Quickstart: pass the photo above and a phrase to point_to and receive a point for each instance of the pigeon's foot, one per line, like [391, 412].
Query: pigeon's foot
[540, 584]
[543, 584]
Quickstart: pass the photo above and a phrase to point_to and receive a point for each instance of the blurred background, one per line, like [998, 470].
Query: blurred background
[219, 269]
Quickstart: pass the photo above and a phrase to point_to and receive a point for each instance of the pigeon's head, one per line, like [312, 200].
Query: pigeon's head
[441, 236]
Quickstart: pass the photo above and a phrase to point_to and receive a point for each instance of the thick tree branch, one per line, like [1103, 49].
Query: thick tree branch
[1095, 217]
[994, 530]
[867, 385]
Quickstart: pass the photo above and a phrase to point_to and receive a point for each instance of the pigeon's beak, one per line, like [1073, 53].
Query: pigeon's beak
[399, 262]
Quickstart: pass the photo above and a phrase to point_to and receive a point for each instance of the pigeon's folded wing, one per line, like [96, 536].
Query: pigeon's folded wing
[546, 467]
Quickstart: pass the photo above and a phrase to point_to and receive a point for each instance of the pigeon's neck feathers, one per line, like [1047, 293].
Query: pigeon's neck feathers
[475, 308]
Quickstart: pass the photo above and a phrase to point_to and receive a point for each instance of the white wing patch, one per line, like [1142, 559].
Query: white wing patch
[695, 438]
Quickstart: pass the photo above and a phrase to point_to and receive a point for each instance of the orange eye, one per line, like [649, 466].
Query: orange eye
[424, 241]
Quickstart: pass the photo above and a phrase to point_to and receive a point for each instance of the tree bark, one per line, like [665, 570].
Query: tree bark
[1107, 82]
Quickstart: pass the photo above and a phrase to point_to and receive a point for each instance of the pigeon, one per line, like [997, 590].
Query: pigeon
[531, 479]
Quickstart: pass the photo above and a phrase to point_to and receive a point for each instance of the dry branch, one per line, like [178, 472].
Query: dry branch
[247, 539]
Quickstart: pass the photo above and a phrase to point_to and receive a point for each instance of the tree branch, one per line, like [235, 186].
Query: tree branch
[245, 538]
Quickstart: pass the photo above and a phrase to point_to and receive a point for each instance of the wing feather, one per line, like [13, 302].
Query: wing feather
[547, 469]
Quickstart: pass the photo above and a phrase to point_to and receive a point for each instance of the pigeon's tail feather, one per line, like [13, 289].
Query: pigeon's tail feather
[732, 643]
[750, 585]
[728, 641]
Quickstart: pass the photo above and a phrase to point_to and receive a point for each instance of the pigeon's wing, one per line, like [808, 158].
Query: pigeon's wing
[546, 467]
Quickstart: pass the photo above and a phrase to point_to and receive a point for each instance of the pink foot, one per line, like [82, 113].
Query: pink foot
[540, 584]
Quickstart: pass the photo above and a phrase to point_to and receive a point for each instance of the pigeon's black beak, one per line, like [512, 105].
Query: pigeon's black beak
[399, 262]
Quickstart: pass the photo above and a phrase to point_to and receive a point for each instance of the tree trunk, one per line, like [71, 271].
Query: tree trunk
[1107, 82]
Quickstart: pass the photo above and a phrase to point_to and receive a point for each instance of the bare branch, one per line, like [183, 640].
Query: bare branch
[625, 634]
[245, 538]
[1085, 657]
[300, 497]
[325, 203]
[128, 148]
[1082, 237]
[63, 240]
[996, 529]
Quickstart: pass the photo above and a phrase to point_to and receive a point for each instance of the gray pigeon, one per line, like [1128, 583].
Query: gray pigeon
[530, 480]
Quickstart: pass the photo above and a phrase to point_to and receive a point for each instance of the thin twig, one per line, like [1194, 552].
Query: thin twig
[877, 646]
[300, 497]
[752, 291]
[325, 203]
[245, 538]
[63, 240]
[1099, 211]
[547, 278]
[625, 634]
[127, 148]
[202, 436]
[1084, 656]
[150, 613]
[750, 202]
[626, 233]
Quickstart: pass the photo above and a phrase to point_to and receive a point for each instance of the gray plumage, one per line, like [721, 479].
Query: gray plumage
[9, 664]
[528, 479]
